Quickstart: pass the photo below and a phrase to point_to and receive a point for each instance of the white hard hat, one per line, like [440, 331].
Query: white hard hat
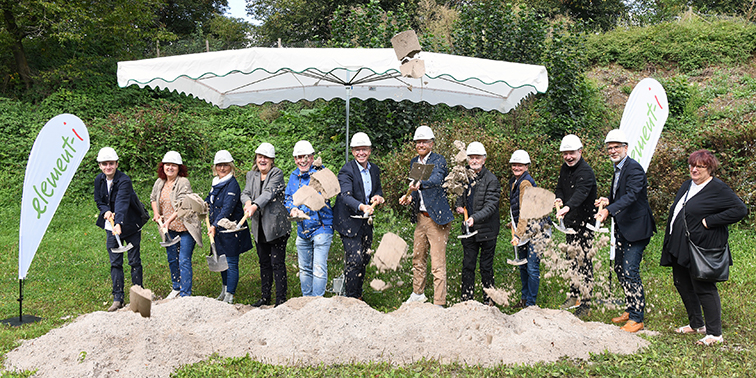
[303, 147]
[616, 136]
[360, 140]
[570, 142]
[107, 154]
[223, 156]
[266, 149]
[520, 157]
[172, 157]
[423, 133]
[476, 148]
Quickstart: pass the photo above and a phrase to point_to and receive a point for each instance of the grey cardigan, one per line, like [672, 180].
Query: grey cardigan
[180, 190]
[270, 202]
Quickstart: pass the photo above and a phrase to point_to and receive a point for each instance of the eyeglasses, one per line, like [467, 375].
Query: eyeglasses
[698, 166]
[425, 142]
[615, 148]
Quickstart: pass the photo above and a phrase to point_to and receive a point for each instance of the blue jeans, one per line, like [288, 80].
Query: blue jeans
[230, 276]
[530, 273]
[627, 260]
[313, 263]
[180, 262]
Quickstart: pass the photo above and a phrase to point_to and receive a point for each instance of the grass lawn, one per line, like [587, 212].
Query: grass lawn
[70, 276]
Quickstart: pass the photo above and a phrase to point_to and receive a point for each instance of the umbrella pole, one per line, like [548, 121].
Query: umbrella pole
[346, 143]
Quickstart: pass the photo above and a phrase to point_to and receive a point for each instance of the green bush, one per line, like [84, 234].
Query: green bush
[691, 44]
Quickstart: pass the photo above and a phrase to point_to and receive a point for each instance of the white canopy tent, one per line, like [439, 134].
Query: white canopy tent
[260, 75]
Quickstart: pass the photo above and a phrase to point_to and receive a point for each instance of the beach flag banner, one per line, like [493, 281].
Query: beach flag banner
[642, 122]
[53, 161]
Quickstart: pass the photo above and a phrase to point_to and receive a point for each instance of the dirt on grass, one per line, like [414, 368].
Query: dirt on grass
[311, 331]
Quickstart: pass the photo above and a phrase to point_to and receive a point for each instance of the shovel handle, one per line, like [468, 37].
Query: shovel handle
[600, 207]
[465, 212]
[241, 222]
[207, 222]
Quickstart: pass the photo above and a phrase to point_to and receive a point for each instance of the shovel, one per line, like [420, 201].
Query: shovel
[561, 226]
[239, 226]
[214, 262]
[121, 248]
[167, 242]
[516, 261]
[467, 233]
[418, 172]
[597, 227]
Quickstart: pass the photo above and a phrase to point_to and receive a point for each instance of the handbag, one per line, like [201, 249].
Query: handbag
[707, 264]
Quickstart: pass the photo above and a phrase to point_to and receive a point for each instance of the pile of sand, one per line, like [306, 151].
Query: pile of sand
[310, 331]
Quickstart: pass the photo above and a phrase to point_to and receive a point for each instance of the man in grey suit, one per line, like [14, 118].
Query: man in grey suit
[628, 204]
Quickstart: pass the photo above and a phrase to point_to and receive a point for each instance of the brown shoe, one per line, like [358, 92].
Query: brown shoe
[632, 326]
[622, 318]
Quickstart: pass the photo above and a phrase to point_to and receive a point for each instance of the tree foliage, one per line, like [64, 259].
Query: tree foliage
[599, 14]
[300, 21]
[181, 16]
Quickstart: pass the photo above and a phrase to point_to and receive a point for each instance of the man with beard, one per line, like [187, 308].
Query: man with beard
[433, 216]
[576, 192]
[628, 204]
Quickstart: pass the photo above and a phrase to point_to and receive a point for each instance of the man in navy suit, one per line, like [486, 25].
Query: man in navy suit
[119, 214]
[360, 183]
[433, 216]
[628, 204]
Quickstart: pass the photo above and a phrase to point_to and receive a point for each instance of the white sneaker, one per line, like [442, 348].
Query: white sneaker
[416, 298]
[173, 294]
[222, 295]
[229, 298]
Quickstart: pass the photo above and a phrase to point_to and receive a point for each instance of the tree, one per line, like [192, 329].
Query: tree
[600, 14]
[299, 21]
[74, 28]
[181, 16]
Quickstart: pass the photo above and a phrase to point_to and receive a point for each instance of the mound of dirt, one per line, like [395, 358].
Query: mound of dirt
[310, 331]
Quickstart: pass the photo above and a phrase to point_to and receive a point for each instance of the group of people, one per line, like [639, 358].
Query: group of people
[269, 206]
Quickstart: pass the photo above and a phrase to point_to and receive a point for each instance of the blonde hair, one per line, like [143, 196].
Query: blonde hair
[231, 164]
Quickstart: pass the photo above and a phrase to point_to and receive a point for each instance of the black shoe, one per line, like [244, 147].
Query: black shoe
[261, 302]
[583, 311]
[520, 304]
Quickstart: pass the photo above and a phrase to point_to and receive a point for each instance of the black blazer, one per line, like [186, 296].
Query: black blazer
[630, 207]
[718, 204]
[351, 196]
[122, 201]
[576, 186]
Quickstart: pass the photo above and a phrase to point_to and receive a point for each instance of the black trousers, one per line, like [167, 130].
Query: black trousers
[580, 263]
[116, 262]
[272, 257]
[357, 259]
[697, 295]
[470, 249]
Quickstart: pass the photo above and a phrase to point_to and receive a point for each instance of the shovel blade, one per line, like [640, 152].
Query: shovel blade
[467, 235]
[565, 230]
[170, 243]
[122, 249]
[217, 263]
[234, 230]
[517, 262]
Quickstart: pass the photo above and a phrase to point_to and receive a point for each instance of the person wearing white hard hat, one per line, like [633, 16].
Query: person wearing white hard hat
[170, 189]
[575, 192]
[530, 273]
[481, 199]
[433, 217]
[224, 203]
[314, 235]
[360, 182]
[263, 199]
[628, 205]
[121, 213]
